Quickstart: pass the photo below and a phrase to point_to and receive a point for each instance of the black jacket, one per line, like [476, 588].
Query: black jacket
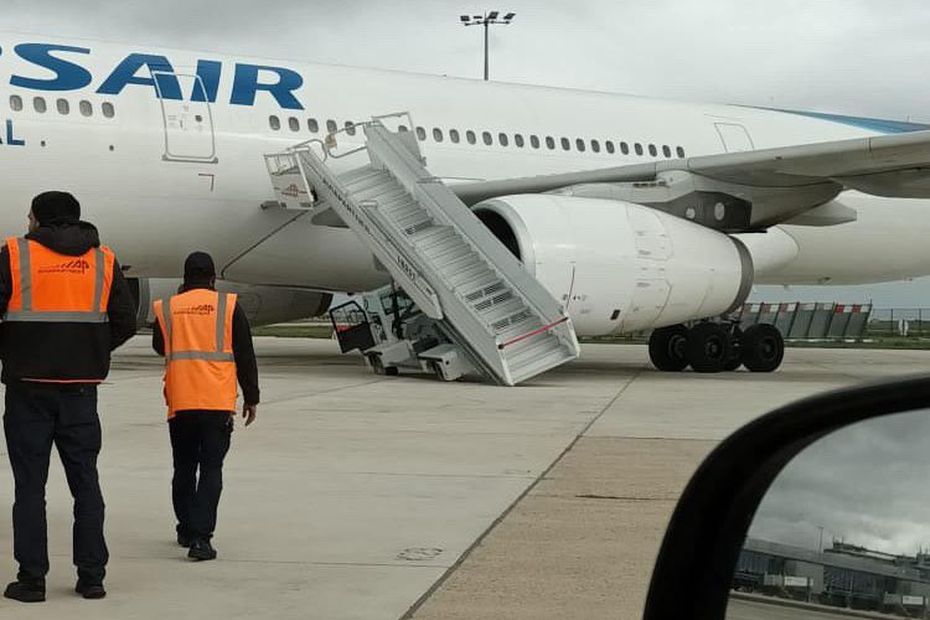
[64, 351]
[243, 352]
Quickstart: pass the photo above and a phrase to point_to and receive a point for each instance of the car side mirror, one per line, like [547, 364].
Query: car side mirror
[735, 514]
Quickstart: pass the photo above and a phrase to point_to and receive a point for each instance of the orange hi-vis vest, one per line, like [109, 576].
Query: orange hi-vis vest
[49, 287]
[200, 370]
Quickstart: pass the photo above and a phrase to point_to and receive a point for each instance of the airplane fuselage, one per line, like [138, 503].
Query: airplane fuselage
[164, 150]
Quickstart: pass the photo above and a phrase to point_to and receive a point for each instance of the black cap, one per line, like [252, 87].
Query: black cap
[51, 208]
[199, 267]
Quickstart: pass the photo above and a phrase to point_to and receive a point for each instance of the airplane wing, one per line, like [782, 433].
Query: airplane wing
[802, 177]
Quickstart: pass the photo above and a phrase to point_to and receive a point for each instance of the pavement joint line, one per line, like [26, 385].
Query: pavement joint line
[279, 401]
[225, 560]
[487, 532]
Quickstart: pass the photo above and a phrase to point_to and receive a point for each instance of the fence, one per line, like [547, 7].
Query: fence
[811, 321]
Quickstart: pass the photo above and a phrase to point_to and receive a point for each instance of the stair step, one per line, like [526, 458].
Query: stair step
[383, 195]
[530, 368]
[453, 260]
[469, 280]
[493, 312]
[434, 236]
[529, 342]
[534, 354]
[367, 181]
[520, 328]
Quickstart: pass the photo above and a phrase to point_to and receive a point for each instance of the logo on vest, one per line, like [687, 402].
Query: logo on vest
[77, 266]
[201, 310]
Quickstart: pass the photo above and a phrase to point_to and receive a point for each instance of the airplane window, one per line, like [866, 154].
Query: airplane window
[16, 103]
[350, 128]
[109, 111]
[681, 152]
[580, 144]
[595, 146]
[454, 135]
[624, 148]
[293, 123]
[331, 126]
[550, 142]
[486, 136]
[470, 136]
[652, 150]
[402, 128]
[666, 151]
[518, 140]
[503, 139]
[63, 106]
[274, 122]
[86, 108]
[313, 125]
[534, 141]
[421, 134]
[39, 104]
[437, 134]
[639, 148]
[610, 147]
[566, 144]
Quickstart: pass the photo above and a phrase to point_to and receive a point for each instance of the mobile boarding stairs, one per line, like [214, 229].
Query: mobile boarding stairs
[460, 302]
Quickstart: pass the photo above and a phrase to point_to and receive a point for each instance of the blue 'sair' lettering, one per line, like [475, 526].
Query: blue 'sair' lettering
[209, 72]
[246, 85]
[158, 66]
[68, 75]
[11, 140]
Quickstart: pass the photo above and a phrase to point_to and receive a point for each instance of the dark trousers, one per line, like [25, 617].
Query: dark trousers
[199, 441]
[35, 418]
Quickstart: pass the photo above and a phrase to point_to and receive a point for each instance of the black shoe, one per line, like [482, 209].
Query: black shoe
[201, 550]
[25, 591]
[184, 540]
[90, 590]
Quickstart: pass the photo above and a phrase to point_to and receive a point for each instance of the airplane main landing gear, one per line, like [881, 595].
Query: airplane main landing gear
[711, 347]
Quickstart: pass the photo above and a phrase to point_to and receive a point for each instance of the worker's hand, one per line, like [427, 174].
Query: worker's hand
[248, 413]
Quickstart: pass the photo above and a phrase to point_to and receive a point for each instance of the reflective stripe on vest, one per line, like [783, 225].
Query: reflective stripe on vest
[25, 308]
[200, 369]
[219, 355]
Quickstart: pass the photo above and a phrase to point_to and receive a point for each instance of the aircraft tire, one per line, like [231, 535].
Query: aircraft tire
[736, 351]
[708, 347]
[667, 348]
[763, 348]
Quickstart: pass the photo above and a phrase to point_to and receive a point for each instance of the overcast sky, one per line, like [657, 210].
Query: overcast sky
[866, 484]
[860, 57]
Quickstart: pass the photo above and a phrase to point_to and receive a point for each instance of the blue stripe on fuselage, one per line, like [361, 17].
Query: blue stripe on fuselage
[870, 124]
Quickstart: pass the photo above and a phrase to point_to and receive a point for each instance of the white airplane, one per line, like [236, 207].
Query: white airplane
[634, 213]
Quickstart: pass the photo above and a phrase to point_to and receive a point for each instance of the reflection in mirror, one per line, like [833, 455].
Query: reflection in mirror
[844, 529]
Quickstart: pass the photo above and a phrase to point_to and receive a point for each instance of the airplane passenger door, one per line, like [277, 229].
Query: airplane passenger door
[189, 132]
[735, 138]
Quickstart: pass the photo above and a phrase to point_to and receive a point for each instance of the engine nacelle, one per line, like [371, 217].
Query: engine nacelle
[619, 266]
[264, 305]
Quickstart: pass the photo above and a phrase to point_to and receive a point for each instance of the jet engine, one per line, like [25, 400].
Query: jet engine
[619, 266]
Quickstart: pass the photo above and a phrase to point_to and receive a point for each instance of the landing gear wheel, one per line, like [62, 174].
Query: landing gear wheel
[736, 351]
[763, 348]
[708, 347]
[667, 348]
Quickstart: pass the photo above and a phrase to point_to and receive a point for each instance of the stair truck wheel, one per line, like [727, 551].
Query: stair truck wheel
[708, 347]
[667, 348]
[763, 348]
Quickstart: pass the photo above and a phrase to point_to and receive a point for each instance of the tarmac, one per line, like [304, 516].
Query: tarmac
[356, 496]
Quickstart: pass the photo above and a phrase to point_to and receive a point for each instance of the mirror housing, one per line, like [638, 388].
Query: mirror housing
[694, 569]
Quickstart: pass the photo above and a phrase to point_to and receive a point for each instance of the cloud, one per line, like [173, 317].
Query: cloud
[839, 55]
[865, 484]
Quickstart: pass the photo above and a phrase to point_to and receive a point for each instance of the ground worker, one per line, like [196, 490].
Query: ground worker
[205, 338]
[65, 307]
